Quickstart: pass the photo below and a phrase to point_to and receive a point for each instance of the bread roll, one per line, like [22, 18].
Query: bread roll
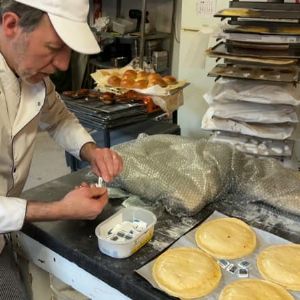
[129, 74]
[142, 75]
[140, 84]
[114, 81]
[170, 80]
[127, 83]
[158, 81]
[153, 76]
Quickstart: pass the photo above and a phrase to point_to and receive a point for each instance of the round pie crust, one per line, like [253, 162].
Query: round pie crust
[186, 273]
[281, 264]
[227, 238]
[257, 289]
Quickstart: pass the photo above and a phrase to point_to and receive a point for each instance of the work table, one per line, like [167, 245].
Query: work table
[76, 241]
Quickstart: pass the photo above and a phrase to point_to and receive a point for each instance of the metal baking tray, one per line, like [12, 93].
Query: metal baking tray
[222, 48]
[96, 123]
[106, 117]
[265, 5]
[250, 13]
[282, 29]
[280, 74]
[98, 107]
[96, 114]
[291, 40]
[264, 22]
[290, 49]
[254, 60]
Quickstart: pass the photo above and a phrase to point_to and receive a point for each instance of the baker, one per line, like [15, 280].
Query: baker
[36, 38]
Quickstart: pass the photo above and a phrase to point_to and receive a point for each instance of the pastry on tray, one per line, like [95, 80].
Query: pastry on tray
[132, 79]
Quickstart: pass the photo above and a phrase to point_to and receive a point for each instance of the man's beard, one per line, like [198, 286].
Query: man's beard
[21, 47]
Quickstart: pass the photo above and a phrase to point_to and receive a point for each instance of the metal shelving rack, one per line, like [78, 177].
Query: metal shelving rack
[143, 36]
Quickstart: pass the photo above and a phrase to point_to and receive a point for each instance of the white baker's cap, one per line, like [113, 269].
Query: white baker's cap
[69, 19]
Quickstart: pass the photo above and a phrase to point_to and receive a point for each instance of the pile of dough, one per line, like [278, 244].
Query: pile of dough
[227, 238]
[257, 289]
[132, 79]
[186, 273]
[281, 264]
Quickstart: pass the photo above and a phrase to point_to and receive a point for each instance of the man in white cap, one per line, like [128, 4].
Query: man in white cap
[36, 38]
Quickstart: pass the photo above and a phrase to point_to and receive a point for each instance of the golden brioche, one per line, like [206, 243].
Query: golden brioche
[142, 75]
[157, 81]
[129, 74]
[153, 76]
[132, 72]
[114, 81]
[127, 83]
[169, 79]
[140, 84]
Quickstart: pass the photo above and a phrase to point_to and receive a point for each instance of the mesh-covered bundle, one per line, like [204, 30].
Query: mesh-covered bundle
[186, 174]
[183, 173]
[268, 181]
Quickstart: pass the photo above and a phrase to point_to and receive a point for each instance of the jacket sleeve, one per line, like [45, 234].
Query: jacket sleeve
[61, 124]
[12, 213]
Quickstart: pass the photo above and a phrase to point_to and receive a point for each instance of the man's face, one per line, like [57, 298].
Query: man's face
[39, 53]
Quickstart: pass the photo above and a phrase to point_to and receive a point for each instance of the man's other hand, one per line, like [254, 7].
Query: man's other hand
[104, 162]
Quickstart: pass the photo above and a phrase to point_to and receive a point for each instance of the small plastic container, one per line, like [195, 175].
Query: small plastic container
[123, 26]
[122, 249]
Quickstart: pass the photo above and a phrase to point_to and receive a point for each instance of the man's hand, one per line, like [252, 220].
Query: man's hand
[83, 203]
[104, 161]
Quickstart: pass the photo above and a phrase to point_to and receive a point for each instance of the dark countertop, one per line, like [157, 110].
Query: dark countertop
[76, 240]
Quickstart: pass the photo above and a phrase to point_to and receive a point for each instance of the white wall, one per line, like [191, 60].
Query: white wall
[195, 37]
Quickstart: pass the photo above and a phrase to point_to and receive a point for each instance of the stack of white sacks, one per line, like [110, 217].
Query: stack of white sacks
[257, 117]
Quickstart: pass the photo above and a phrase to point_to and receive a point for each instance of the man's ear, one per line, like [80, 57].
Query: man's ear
[10, 24]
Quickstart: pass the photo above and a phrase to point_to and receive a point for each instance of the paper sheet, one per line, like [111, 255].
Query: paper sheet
[205, 7]
[264, 239]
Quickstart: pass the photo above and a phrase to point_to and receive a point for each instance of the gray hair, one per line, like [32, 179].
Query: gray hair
[29, 16]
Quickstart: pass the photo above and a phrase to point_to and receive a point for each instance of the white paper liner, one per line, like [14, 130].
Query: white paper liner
[264, 239]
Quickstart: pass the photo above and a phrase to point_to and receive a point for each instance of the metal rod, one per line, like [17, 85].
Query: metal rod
[118, 10]
[142, 30]
[173, 29]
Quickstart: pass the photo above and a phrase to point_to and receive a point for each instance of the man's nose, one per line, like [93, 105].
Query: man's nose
[62, 59]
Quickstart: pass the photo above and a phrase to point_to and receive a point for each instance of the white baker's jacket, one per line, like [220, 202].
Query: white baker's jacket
[39, 107]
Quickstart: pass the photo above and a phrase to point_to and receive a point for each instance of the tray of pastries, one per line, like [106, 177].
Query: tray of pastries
[122, 80]
[93, 98]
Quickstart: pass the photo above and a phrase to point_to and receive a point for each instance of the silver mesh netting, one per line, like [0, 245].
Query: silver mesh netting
[186, 174]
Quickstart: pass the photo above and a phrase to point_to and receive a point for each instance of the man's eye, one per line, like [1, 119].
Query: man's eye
[54, 49]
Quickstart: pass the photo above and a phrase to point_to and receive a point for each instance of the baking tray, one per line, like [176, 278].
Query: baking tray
[96, 114]
[264, 239]
[265, 29]
[99, 123]
[253, 60]
[265, 5]
[106, 117]
[280, 74]
[222, 48]
[292, 50]
[98, 107]
[264, 22]
[250, 13]
[291, 40]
